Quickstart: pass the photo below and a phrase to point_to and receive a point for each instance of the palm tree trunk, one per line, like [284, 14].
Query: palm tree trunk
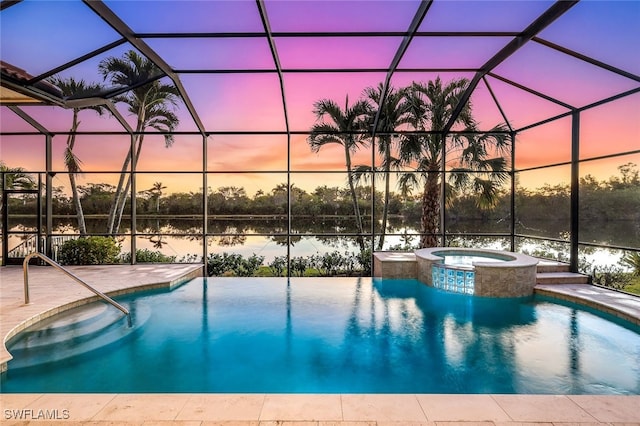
[128, 186]
[72, 167]
[430, 220]
[115, 211]
[117, 199]
[354, 198]
[387, 190]
[82, 227]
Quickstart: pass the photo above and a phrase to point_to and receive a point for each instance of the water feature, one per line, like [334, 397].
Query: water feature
[481, 272]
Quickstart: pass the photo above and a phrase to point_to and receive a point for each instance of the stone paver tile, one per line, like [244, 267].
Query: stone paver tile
[425, 423]
[465, 423]
[230, 423]
[610, 408]
[288, 423]
[462, 408]
[66, 423]
[103, 423]
[222, 407]
[542, 408]
[348, 423]
[134, 407]
[301, 407]
[170, 423]
[12, 422]
[16, 401]
[66, 407]
[382, 408]
[571, 424]
[524, 423]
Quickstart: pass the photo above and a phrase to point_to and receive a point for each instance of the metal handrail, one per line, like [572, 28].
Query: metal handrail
[25, 268]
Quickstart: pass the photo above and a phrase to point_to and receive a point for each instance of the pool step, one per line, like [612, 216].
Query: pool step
[60, 330]
[73, 322]
[61, 337]
[552, 266]
[561, 278]
[554, 272]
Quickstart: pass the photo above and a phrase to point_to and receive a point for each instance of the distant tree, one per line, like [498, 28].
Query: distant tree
[96, 196]
[156, 193]
[629, 177]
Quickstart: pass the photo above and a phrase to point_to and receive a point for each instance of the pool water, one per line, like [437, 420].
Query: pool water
[467, 260]
[347, 335]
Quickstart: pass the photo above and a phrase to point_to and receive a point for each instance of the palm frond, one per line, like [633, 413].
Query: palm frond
[487, 192]
[71, 161]
[406, 183]
[362, 174]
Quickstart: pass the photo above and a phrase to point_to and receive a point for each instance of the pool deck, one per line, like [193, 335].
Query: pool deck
[52, 291]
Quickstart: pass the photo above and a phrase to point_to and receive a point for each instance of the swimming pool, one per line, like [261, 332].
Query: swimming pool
[346, 335]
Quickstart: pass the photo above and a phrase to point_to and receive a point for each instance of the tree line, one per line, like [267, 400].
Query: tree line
[615, 198]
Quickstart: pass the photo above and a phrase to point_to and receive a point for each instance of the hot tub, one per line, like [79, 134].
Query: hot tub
[481, 272]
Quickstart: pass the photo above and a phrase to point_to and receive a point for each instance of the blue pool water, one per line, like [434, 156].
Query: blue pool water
[467, 260]
[343, 335]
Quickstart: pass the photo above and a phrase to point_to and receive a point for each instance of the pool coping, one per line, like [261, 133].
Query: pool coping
[510, 259]
[322, 409]
[619, 304]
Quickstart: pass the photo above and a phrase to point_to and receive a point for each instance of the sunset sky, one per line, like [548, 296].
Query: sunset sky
[38, 36]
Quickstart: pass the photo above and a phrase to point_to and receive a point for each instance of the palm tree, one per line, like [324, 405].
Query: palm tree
[394, 113]
[156, 192]
[16, 177]
[72, 87]
[632, 261]
[468, 155]
[342, 129]
[150, 103]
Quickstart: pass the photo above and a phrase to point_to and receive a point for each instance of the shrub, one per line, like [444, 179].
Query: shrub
[611, 276]
[327, 264]
[278, 266]
[331, 263]
[148, 256]
[364, 259]
[298, 266]
[233, 265]
[89, 251]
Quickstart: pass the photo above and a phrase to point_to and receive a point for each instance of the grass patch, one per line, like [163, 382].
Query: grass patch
[633, 286]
